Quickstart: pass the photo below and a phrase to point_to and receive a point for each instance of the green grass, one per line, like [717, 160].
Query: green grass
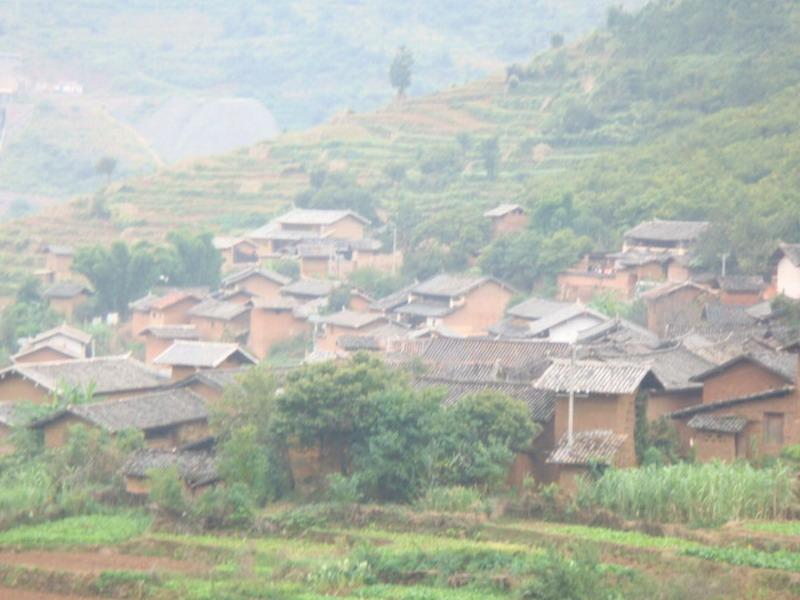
[748, 557]
[91, 530]
[788, 528]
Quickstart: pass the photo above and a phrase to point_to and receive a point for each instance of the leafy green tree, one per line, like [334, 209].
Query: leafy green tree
[400, 70]
[196, 261]
[106, 166]
[490, 150]
[119, 274]
[28, 315]
[375, 283]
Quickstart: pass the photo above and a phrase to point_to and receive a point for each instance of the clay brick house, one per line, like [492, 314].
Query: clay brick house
[786, 270]
[748, 426]
[259, 282]
[160, 337]
[674, 368]
[359, 301]
[218, 320]
[377, 339]
[283, 234]
[345, 323]
[184, 358]
[65, 297]
[236, 252]
[604, 401]
[573, 458]
[167, 418]
[140, 313]
[210, 384]
[276, 320]
[173, 308]
[506, 218]
[676, 237]
[741, 290]
[747, 374]
[58, 260]
[595, 274]
[675, 305]
[566, 324]
[197, 469]
[107, 376]
[320, 260]
[60, 343]
[530, 461]
[464, 304]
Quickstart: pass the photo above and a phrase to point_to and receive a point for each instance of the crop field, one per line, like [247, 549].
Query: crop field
[428, 556]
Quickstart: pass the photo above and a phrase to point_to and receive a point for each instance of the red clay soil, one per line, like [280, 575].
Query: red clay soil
[17, 594]
[96, 562]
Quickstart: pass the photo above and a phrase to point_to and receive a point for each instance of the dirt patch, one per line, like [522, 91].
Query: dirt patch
[18, 594]
[97, 562]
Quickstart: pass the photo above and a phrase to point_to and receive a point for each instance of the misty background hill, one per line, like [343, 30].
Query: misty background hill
[152, 82]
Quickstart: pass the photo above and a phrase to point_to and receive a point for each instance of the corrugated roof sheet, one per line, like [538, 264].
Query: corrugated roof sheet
[668, 231]
[540, 403]
[196, 467]
[502, 210]
[201, 354]
[108, 374]
[219, 310]
[593, 377]
[587, 447]
[718, 423]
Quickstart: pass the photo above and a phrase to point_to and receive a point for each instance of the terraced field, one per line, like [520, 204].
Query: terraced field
[428, 556]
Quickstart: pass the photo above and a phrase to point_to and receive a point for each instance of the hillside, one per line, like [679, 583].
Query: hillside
[685, 110]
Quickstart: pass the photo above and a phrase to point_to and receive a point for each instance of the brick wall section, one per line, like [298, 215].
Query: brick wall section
[742, 379]
[483, 307]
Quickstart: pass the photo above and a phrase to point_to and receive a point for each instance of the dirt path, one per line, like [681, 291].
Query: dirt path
[96, 562]
[17, 594]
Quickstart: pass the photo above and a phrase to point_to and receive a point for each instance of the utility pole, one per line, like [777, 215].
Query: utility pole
[724, 256]
[394, 249]
[571, 411]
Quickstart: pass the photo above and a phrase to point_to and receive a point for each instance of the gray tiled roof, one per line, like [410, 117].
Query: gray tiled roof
[424, 309]
[505, 353]
[145, 412]
[536, 308]
[351, 319]
[540, 403]
[143, 304]
[782, 364]
[218, 378]
[306, 216]
[718, 423]
[587, 447]
[201, 354]
[667, 231]
[108, 374]
[451, 286]
[510, 330]
[196, 467]
[235, 278]
[564, 315]
[711, 407]
[393, 300]
[218, 309]
[66, 331]
[741, 283]
[619, 331]
[65, 289]
[315, 288]
[593, 377]
[726, 315]
[173, 332]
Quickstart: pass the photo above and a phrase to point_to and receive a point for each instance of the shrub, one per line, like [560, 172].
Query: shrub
[166, 490]
[225, 506]
[558, 577]
[451, 499]
[344, 490]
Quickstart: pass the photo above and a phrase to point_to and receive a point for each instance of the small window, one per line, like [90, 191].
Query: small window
[773, 428]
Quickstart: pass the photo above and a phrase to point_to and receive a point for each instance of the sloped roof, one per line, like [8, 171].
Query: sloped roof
[668, 231]
[63, 329]
[316, 288]
[726, 315]
[741, 283]
[619, 331]
[509, 329]
[718, 423]
[223, 242]
[540, 403]
[594, 377]
[108, 374]
[458, 372]
[65, 289]
[393, 300]
[502, 210]
[219, 310]
[63, 349]
[711, 407]
[587, 447]
[154, 410]
[419, 308]
[564, 315]
[451, 286]
[216, 378]
[173, 332]
[201, 354]
[782, 364]
[235, 278]
[351, 319]
[172, 298]
[144, 304]
[273, 231]
[670, 288]
[674, 367]
[196, 467]
[536, 308]
[505, 353]
[308, 216]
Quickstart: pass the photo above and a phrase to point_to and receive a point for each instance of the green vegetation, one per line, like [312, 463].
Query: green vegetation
[707, 494]
[91, 530]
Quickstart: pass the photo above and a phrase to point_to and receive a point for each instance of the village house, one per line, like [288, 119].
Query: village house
[740, 290]
[464, 304]
[566, 324]
[604, 408]
[160, 337]
[236, 252]
[106, 376]
[140, 313]
[344, 323]
[210, 384]
[747, 374]
[506, 218]
[184, 358]
[378, 339]
[172, 308]
[59, 343]
[308, 290]
[196, 468]
[274, 320]
[675, 237]
[58, 261]
[217, 320]
[259, 282]
[675, 305]
[786, 270]
[167, 418]
[64, 297]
